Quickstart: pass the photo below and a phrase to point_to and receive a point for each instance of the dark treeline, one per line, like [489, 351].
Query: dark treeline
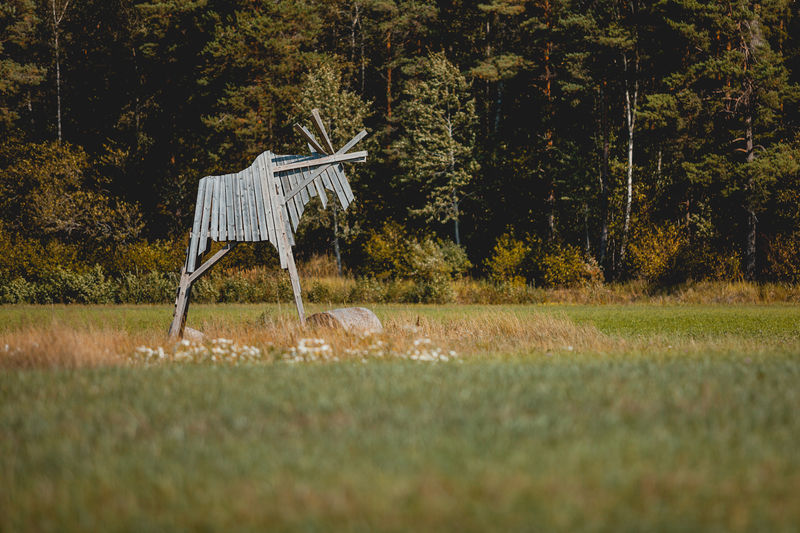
[637, 133]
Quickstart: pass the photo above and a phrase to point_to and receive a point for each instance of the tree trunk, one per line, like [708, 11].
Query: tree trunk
[604, 200]
[336, 250]
[752, 220]
[456, 229]
[56, 23]
[630, 117]
[389, 75]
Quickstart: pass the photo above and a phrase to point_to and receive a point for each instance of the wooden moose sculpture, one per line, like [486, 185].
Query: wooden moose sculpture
[264, 202]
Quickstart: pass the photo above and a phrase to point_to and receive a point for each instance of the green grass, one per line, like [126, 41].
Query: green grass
[567, 441]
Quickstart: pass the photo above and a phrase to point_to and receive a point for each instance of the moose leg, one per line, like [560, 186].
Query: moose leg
[298, 298]
[185, 290]
[181, 305]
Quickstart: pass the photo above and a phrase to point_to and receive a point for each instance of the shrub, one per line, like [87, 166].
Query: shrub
[566, 266]
[507, 263]
[65, 286]
[387, 253]
[149, 288]
[431, 263]
[145, 257]
[783, 257]
[655, 252]
[17, 291]
[368, 290]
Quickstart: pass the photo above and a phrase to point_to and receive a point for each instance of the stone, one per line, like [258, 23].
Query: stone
[351, 319]
[193, 335]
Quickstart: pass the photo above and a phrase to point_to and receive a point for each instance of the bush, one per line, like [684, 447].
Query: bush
[783, 258]
[566, 266]
[64, 286]
[145, 257]
[655, 252]
[150, 288]
[430, 263]
[506, 265]
[387, 253]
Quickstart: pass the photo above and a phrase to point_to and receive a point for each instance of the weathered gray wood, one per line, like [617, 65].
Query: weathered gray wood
[181, 302]
[231, 218]
[263, 229]
[211, 261]
[239, 205]
[310, 138]
[339, 169]
[251, 204]
[248, 234]
[223, 211]
[215, 209]
[276, 202]
[290, 206]
[187, 279]
[337, 187]
[320, 170]
[328, 159]
[198, 216]
[320, 127]
[266, 201]
[293, 276]
[270, 212]
[206, 216]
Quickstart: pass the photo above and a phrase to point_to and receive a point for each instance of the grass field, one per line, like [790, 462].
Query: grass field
[556, 417]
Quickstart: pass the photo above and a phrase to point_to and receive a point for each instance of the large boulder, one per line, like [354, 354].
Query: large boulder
[350, 319]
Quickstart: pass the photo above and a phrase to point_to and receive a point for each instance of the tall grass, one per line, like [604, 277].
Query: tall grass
[75, 336]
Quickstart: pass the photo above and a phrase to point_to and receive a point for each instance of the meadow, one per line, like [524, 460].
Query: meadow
[630, 417]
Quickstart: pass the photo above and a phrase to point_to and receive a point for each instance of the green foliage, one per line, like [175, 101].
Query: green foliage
[45, 192]
[393, 254]
[656, 250]
[508, 260]
[387, 252]
[436, 148]
[155, 94]
[783, 257]
[567, 266]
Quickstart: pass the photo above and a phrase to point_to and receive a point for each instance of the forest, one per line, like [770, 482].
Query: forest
[543, 142]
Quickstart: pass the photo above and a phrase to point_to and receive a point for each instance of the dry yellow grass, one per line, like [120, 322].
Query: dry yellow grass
[60, 345]
[488, 332]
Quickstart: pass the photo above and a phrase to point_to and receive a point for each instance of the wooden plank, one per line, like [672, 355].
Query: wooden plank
[206, 216]
[316, 186]
[281, 242]
[263, 229]
[211, 261]
[290, 207]
[311, 139]
[248, 222]
[265, 187]
[230, 216]
[195, 236]
[223, 211]
[312, 176]
[305, 173]
[328, 159]
[339, 170]
[237, 207]
[320, 127]
[321, 185]
[251, 204]
[215, 209]
[337, 187]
